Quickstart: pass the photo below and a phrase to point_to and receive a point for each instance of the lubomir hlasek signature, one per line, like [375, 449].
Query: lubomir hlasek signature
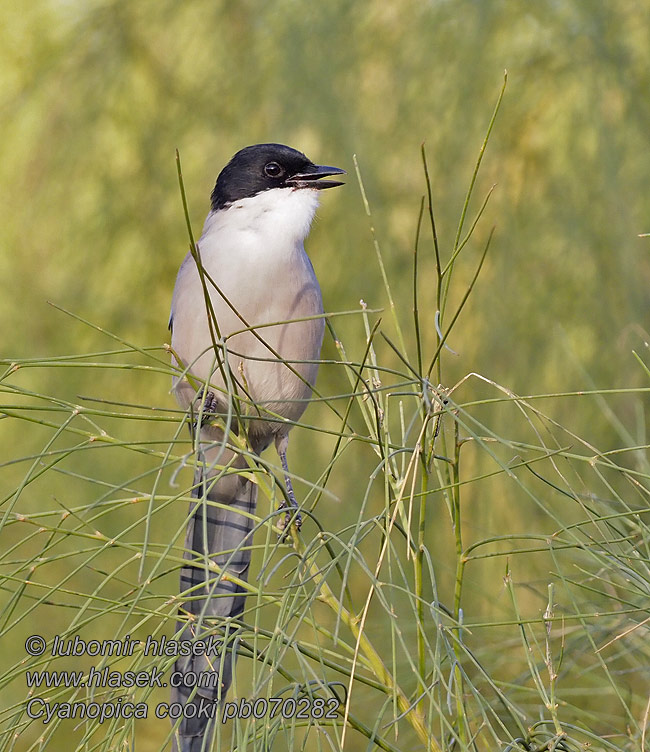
[210, 645]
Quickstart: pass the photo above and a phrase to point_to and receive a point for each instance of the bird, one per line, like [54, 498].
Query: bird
[246, 327]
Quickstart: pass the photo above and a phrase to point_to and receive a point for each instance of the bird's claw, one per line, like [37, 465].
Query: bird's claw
[208, 405]
[291, 516]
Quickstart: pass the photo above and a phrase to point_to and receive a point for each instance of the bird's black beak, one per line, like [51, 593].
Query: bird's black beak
[312, 178]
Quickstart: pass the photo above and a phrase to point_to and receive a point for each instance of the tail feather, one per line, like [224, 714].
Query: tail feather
[221, 536]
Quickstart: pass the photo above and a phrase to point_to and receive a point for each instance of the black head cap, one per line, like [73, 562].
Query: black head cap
[264, 166]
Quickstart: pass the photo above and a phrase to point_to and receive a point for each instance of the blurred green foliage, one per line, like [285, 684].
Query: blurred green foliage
[96, 96]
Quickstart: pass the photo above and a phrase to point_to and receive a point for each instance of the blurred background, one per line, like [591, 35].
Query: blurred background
[96, 96]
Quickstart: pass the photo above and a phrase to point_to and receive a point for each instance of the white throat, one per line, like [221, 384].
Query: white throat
[279, 213]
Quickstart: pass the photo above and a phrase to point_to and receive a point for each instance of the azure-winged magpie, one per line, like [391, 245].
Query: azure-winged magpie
[247, 329]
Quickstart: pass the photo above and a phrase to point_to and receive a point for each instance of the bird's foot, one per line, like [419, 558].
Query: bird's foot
[208, 405]
[291, 516]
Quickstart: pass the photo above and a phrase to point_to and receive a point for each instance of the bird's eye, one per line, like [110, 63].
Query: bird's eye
[273, 170]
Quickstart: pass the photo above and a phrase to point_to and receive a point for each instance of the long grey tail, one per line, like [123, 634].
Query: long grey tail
[222, 536]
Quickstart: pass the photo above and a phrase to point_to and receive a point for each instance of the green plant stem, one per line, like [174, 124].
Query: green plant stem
[213, 325]
[419, 562]
[456, 521]
[460, 568]
[416, 311]
[436, 248]
[470, 190]
[552, 675]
